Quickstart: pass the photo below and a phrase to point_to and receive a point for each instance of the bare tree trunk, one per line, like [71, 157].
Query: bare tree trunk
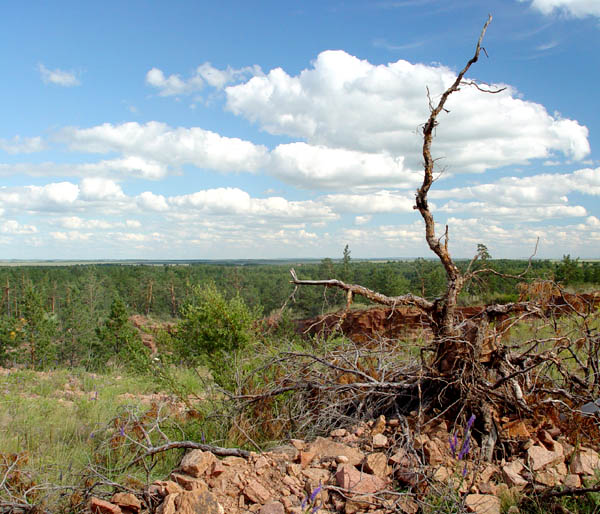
[450, 347]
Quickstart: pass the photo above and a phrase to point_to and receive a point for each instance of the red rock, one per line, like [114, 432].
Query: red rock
[98, 506]
[488, 472]
[168, 506]
[487, 488]
[127, 501]
[261, 462]
[316, 475]
[512, 473]
[351, 479]
[189, 483]
[272, 508]
[379, 427]
[433, 452]
[196, 462]
[196, 502]
[217, 468]
[162, 488]
[256, 493]
[482, 504]
[516, 430]
[305, 458]
[585, 462]
[380, 441]
[377, 463]
[339, 432]
[328, 448]
[299, 444]
[573, 481]
[234, 462]
[540, 457]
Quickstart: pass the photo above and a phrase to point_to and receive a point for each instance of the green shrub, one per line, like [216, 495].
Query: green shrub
[117, 338]
[213, 330]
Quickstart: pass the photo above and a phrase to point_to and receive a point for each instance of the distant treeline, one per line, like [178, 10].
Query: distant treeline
[160, 291]
[52, 312]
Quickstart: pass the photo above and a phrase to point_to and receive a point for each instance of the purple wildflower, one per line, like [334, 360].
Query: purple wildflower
[453, 444]
[470, 422]
[315, 492]
[464, 471]
[303, 504]
[122, 431]
[315, 509]
[465, 447]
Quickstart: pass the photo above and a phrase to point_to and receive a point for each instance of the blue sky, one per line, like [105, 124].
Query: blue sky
[238, 129]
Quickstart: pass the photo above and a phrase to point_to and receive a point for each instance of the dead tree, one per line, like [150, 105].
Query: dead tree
[457, 345]
[441, 311]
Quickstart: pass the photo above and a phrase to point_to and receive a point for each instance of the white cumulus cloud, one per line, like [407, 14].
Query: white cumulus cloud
[575, 8]
[346, 102]
[206, 73]
[149, 148]
[58, 76]
[20, 144]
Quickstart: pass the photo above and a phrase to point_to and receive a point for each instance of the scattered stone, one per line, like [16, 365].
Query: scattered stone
[256, 493]
[298, 444]
[512, 473]
[217, 469]
[341, 459]
[261, 462]
[573, 481]
[540, 457]
[380, 441]
[379, 426]
[272, 508]
[328, 448]
[353, 480]
[98, 506]
[433, 452]
[585, 462]
[339, 432]
[127, 501]
[305, 458]
[316, 475]
[168, 506]
[442, 474]
[377, 464]
[482, 504]
[196, 462]
[516, 430]
[162, 488]
[189, 483]
[196, 502]
[487, 488]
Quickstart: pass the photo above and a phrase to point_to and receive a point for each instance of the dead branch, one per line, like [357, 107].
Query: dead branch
[471, 274]
[354, 289]
[191, 445]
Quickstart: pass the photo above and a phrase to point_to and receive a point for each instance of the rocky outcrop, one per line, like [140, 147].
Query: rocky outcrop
[358, 470]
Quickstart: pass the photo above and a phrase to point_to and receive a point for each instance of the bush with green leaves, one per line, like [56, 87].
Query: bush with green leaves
[214, 329]
[118, 338]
